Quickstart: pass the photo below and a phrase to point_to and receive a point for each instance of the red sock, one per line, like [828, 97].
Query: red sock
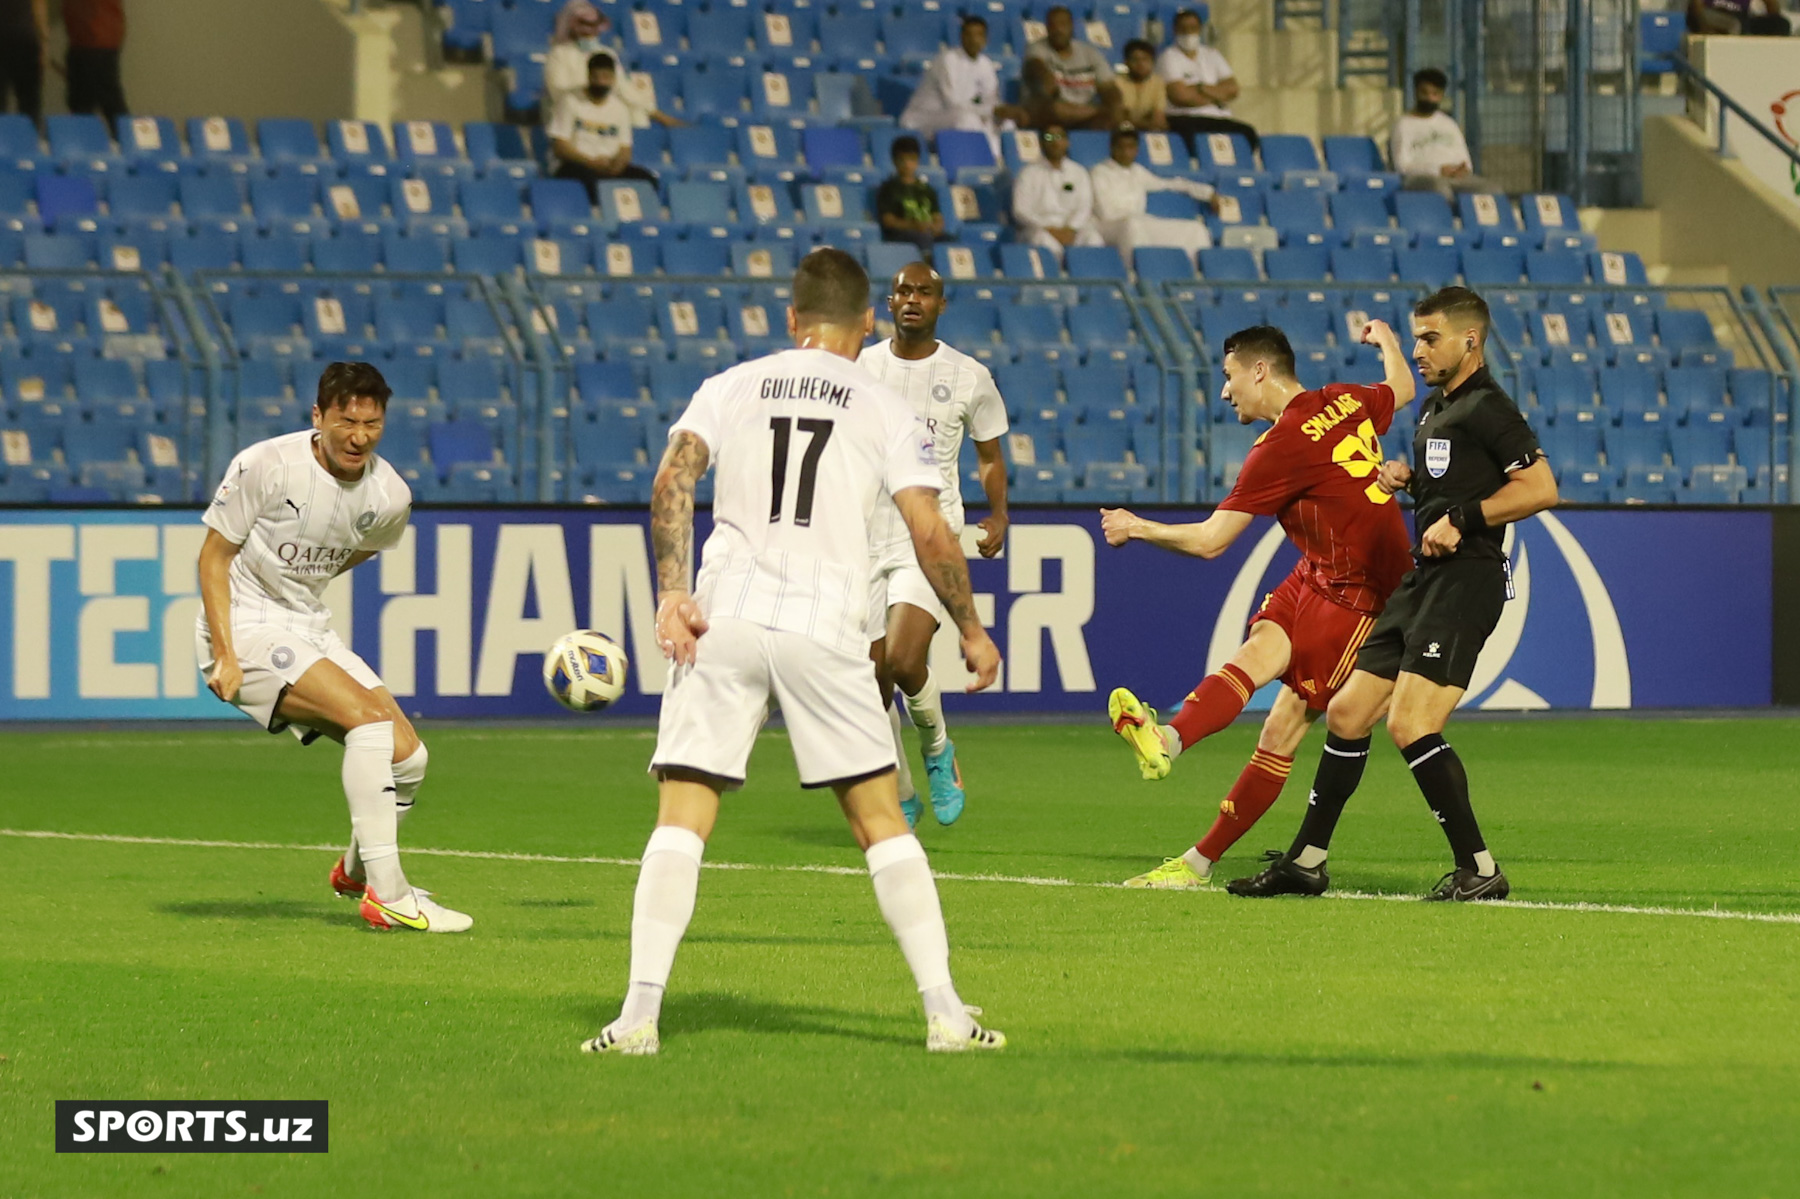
[1212, 705]
[1254, 793]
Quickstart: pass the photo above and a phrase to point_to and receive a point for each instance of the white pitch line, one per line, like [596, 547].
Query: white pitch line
[1026, 880]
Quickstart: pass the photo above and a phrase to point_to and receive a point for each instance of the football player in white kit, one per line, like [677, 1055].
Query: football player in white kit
[804, 443]
[293, 513]
[952, 393]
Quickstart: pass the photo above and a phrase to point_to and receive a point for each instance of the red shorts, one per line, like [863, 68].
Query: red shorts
[1325, 637]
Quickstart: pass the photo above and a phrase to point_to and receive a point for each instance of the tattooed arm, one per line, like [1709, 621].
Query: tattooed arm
[678, 619]
[941, 558]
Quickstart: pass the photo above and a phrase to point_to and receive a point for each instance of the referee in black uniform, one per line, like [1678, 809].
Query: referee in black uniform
[1480, 468]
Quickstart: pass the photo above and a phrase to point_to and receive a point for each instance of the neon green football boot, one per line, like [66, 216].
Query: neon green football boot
[1136, 723]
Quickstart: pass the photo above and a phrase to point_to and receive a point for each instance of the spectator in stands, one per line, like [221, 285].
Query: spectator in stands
[96, 36]
[1200, 84]
[1734, 16]
[1068, 83]
[1053, 200]
[1427, 144]
[907, 205]
[24, 54]
[590, 135]
[1122, 187]
[961, 90]
[582, 31]
[1143, 95]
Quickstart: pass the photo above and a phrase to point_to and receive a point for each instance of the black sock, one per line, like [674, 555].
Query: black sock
[1340, 770]
[1440, 775]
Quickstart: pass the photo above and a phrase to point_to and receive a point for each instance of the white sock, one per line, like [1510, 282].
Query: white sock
[408, 774]
[903, 767]
[1310, 858]
[1171, 740]
[667, 883]
[369, 787]
[1484, 863]
[927, 712]
[907, 895]
[1198, 862]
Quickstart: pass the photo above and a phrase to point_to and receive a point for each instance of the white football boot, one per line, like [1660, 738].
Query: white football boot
[416, 911]
[941, 1038]
[641, 1041]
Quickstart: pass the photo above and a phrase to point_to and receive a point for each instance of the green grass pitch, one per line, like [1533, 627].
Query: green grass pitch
[1162, 1044]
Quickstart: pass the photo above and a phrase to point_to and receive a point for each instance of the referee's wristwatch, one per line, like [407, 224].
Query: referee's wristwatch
[1467, 518]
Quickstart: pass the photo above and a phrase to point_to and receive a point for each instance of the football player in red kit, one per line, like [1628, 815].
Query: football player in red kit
[1314, 470]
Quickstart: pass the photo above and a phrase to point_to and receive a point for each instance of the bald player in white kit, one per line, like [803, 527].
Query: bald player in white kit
[954, 394]
[292, 514]
[804, 443]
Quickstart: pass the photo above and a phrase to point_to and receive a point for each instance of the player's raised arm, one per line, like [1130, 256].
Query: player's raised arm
[216, 554]
[948, 572]
[678, 619]
[1394, 365]
[1207, 539]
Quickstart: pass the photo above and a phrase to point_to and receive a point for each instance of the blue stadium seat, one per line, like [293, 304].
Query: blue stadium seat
[498, 145]
[203, 196]
[149, 140]
[1556, 268]
[1431, 267]
[1027, 262]
[1031, 326]
[1636, 446]
[1352, 212]
[1096, 326]
[1700, 444]
[1155, 264]
[1546, 211]
[700, 203]
[1296, 214]
[76, 137]
[832, 204]
[655, 28]
[1612, 269]
[1041, 484]
[136, 196]
[1682, 329]
[1477, 212]
[1659, 41]
[1423, 212]
[620, 199]
[1585, 484]
[414, 254]
[1493, 268]
[285, 139]
[1571, 444]
[416, 200]
[696, 257]
[1298, 264]
[1362, 265]
[1648, 485]
[1697, 393]
[959, 149]
[719, 91]
[1224, 152]
[1234, 265]
[66, 201]
[1094, 262]
[1714, 484]
[1629, 393]
[18, 138]
[786, 31]
[824, 148]
[1353, 155]
[563, 203]
[849, 33]
[722, 33]
[701, 146]
[352, 141]
[493, 202]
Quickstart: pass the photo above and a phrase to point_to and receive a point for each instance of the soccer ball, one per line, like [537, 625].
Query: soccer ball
[585, 671]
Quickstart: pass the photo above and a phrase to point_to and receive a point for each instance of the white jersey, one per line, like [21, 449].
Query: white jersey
[951, 392]
[298, 526]
[803, 444]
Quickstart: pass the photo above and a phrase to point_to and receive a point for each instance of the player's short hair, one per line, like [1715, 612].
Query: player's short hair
[973, 19]
[830, 286]
[1456, 304]
[1182, 13]
[905, 145]
[1057, 8]
[1265, 342]
[1431, 75]
[600, 60]
[1138, 43]
[346, 381]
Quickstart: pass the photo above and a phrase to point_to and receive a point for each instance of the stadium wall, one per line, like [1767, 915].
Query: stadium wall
[249, 58]
[1715, 211]
[1619, 608]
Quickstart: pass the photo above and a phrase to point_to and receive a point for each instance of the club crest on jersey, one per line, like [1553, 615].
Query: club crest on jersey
[365, 522]
[940, 393]
[1437, 456]
[282, 657]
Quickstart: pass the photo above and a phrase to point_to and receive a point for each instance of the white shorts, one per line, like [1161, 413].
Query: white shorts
[712, 710]
[273, 659]
[895, 577]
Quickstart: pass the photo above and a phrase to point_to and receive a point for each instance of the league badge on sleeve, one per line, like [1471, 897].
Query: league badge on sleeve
[1437, 456]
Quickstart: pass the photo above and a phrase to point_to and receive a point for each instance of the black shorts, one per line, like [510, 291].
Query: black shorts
[1436, 621]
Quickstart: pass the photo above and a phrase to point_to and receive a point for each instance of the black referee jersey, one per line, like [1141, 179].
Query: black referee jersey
[1468, 442]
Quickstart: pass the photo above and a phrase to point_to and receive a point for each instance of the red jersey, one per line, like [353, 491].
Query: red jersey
[1314, 470]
